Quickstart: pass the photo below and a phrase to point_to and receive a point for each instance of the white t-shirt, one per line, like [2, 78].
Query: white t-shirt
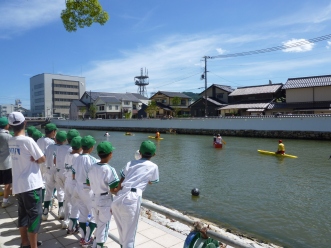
[44, 142]
[26, 174]
[219, 140]
[138, 173]
[50, 154]
[68, 162]
[101, 176]
[61, 152]
[81, 167]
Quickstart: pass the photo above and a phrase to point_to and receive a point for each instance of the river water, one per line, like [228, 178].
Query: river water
[282, 200]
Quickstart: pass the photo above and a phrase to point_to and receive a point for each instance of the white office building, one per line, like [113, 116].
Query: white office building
[52, 94]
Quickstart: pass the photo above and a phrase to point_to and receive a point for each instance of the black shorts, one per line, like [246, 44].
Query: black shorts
[6, 176]
[30, 210]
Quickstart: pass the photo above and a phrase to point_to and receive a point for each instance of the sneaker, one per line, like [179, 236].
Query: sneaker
[6, 204]
[81, 241]
[65, 224]
[45, 214]
[61, 213]
[39, 243]
[85, 244]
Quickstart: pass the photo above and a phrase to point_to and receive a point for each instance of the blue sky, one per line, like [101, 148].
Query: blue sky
[169, 38]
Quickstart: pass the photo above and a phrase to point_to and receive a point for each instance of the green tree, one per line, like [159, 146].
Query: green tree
[82, 13]
[175, 104]
[127, 115]
[93, 111]
[151, 108]
[82, 110]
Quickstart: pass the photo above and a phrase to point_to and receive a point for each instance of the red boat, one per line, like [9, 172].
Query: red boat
[217, 145]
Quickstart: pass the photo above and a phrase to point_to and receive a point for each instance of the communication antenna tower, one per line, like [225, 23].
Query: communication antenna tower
[142, 81]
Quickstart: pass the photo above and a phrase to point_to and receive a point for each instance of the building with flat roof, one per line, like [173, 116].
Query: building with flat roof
[52, 94]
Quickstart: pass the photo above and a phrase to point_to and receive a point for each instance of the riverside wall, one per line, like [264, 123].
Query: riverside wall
[316, 127]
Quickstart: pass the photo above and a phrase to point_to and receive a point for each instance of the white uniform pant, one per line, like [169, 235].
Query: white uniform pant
[126, 211]
[49, 178]
[102, 216]
[69, 200]
[83, 204]
[59, 184]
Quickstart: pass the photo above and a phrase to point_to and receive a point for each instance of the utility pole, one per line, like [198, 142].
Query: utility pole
[205, 74]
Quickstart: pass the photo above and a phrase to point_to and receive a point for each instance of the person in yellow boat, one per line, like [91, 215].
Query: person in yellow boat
[281, 147]
[157, 135]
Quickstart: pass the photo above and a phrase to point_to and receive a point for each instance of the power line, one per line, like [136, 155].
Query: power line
[273, 49]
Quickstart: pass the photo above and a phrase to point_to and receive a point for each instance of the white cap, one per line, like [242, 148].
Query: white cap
[15, 118]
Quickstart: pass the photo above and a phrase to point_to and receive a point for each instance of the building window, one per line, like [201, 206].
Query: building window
[220, 96]
[126, 103]
[109, 107]
[116, 107]
[38, 86]
[183, 102]
[164, 101]
[39, 93]
[134, 106]
[102, 107]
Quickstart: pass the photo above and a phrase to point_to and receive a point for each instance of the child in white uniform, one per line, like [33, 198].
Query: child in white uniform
[69, 184]
[50, 174]
[61, 152]
[83, 193]
[126, 204]
[103, 180]
[43, 143]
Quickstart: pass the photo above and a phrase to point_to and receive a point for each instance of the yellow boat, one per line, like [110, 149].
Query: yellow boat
[129, 134]
[153, 137]
[276, 154]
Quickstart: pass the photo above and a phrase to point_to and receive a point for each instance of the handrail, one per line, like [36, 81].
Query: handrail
[187, 221]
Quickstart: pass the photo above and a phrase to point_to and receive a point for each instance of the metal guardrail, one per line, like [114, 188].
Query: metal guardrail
[187, 221]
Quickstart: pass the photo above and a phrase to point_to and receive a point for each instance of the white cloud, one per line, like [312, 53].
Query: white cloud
[168, 62]
[328, 46]
[292, 45]
[220, 50]
[22, 15]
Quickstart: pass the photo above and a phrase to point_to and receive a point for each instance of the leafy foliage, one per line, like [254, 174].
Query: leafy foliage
[82, 110]
[82, 13]
[93, 111]
[151, 108]
[175, 104]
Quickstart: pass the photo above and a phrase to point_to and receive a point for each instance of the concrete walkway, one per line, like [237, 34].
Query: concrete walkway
[149, 234]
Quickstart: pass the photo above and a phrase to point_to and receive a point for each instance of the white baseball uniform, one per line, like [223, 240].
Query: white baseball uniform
[83, 193]
[102, 177]
[126, 204]
[49, 175]
[69, 184]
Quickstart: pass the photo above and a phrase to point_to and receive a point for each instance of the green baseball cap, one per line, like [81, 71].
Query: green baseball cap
[3, 121]
[147, 148]
[37, 134]
[72, 133]
[105, 147]
[50, 127]
[76, 142]
[30, 130]
[61, 136]
[88, 141]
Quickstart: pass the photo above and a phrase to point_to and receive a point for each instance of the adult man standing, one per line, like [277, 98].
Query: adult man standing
[5, 161]
[27, 182]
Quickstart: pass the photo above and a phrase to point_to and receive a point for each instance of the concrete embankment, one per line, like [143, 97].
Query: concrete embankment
[291, 127]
